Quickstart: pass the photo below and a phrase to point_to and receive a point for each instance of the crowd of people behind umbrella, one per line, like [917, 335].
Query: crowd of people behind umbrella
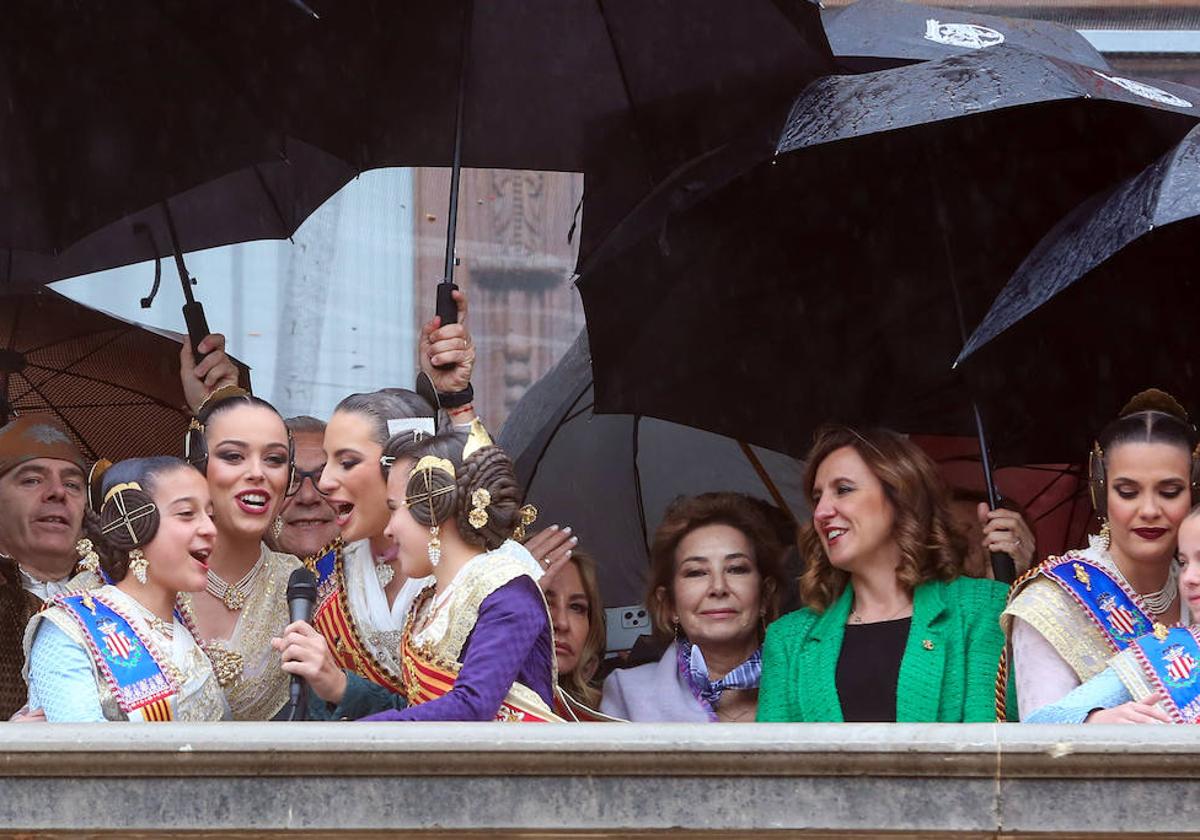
[155, 589]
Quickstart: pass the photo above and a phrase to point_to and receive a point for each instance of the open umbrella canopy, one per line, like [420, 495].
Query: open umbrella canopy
[115, 385]
[828, 276]
[1101, 309]
[623, 90]
[261, 201]
[110, 108]
[611, 477]
[877, 34]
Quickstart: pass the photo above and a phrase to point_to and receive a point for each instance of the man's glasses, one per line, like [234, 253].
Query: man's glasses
[298, 476]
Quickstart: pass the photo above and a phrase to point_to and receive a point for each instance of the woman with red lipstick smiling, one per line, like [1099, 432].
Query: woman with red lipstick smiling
[892, 631]
[1154, 680]
[716, 574]
[1069, 616]
[242, 446]
[122, 652]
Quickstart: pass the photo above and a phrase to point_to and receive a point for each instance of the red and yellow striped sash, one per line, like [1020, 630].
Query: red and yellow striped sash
[426, 680]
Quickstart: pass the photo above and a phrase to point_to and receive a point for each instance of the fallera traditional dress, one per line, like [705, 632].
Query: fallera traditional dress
[1065, 620]
[483, 648]
[100, 655]
[246, 665]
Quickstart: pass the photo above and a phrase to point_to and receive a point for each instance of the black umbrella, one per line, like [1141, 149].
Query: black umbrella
[110, 108]
[877, 34]
[623, 90]
[830, 276]
[1102, 308]
[610, 477]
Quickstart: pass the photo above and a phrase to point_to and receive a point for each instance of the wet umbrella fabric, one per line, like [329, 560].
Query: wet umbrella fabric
[114, 384]
[816, 279]
[261, 201]
[877, 34]
[1101, 309]
[623, 90]
[112, 108]
[611, 477]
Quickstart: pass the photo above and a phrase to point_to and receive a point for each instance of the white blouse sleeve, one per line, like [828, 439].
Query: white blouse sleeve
[61, 679]
[1042, 675]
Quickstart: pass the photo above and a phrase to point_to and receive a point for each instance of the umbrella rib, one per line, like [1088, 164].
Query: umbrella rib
[633, 109]
[766, 479]
[262, 182]
[637, 482]
[67, 370]
[57, 373]
[58, 341]
[71, 426]
[542, 454]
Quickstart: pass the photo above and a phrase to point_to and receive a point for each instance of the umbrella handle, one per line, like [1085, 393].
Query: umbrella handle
[447, 309]
[197, 327]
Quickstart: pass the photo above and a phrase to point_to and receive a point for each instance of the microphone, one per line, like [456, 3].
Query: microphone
[301, 597]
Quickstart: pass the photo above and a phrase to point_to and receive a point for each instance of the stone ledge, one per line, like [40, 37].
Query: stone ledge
[593, 780]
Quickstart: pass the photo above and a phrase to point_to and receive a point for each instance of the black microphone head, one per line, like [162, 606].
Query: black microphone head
[302, 585]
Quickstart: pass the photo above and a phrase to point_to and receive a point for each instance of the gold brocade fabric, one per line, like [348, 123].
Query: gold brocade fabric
[199, 697]
[1130, 671]
[1062, 622]
[255, 685]
[438, 628]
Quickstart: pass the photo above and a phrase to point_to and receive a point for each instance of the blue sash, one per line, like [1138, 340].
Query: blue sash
[1170, 660]
[325, 566]
[1110, 606]
[129, 666]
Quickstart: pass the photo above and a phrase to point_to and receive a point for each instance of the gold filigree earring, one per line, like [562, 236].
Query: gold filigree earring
[435, 546]
[1105, 533]
[89, 560]
[138, 564]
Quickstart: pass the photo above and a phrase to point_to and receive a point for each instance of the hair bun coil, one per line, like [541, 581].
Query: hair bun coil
[1154, 399]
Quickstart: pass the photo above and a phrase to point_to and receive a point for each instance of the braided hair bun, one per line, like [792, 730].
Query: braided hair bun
[127, 517]
[488, 483]
[482, 495]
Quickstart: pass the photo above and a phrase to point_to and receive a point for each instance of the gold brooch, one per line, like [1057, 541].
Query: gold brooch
[927, 644]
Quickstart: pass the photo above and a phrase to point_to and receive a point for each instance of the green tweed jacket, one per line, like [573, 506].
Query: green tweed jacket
[947, 673]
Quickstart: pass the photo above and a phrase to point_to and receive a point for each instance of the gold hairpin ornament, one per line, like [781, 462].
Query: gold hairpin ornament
[478, 517]
[128, 517]
[529, 515]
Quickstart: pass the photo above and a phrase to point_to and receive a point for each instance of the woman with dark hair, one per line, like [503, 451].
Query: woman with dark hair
[716, 576]
[891, 631]
[477, 644]
[243, 448]
[123, 652]
[1154, 679]
[1069, 616]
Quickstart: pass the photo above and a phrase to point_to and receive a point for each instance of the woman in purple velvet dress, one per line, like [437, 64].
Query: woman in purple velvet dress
[478, 643]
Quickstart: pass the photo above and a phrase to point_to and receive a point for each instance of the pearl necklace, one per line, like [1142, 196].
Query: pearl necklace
[1158, 602]
[234, 596]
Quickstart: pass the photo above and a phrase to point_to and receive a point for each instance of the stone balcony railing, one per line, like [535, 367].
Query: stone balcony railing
[599, 780]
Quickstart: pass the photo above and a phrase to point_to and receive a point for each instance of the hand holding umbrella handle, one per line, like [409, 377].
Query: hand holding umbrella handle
[447, 308]
[197, 327]
[1004, 568]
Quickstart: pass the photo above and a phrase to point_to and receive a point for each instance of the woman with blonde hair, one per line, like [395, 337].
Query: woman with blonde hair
[577, 615]
[891, 630]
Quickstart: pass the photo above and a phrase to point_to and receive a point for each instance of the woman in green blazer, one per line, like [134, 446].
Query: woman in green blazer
[891, 632]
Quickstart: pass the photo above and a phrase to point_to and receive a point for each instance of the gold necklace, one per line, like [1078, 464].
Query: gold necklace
[234, 595]
[856, 616]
